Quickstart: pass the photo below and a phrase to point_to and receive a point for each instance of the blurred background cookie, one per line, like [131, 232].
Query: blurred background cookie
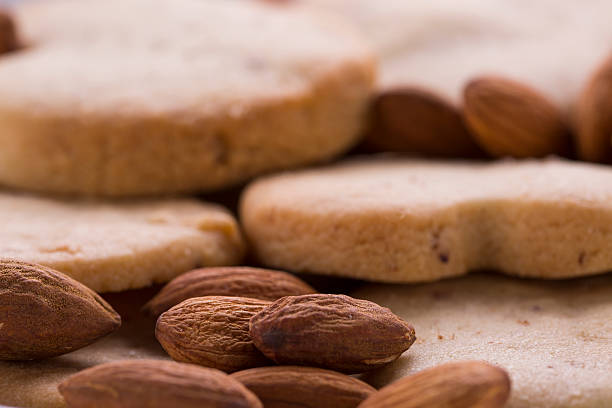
[123, 98]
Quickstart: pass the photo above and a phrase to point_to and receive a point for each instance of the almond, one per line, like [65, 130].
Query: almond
[154, 383]
[593, 121]
[469, 384]
[45, 313]
[8, 34]
[330, 331]
[212, 331]
[307, 387]
[415, 120]
[247, 282]
[508, 118]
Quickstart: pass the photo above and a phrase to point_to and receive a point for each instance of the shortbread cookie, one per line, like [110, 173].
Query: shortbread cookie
[401, 220]
[442, 44]
[124, 97]
[113, 247]
[553, 338]
[33, 384]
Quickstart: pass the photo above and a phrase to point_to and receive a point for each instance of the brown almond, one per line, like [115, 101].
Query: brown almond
[307, 387]
[330, 331]
[154, 384]
[415, 120]
[45, 313]
[212, 331]
[8, 33]
[247, 282]
[508, 118]
[593, 121]
[470, 384]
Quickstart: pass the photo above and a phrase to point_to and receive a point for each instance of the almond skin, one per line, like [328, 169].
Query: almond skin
[154, 384]
[469, 384]
[307, 387]
[508, 118]
[593, 121]
[212, 331]
[415, 120]
[8, 33]
[45, 313]
[330, 331]
[247, 282]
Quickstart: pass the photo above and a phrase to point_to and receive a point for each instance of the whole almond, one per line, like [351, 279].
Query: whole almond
[212, 331]
[45, 313]
[330, 331]
[508, 118]
[8, 34]
[469, 384]
[415, 120]
[227, 281]
[593, 119]
[154, 384]
[307, 387]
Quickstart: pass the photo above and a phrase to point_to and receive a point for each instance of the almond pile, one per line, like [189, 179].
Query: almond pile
[316, 339]
[499, 117]
[234, 332]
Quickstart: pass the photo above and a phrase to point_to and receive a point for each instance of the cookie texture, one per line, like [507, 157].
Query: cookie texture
[553, 338]
[113, 247]
[402, 220]
[147, 97]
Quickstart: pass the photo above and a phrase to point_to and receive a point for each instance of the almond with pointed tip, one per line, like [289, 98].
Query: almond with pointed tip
[238, 281]
[212, 331]
[330, 331]
[154, 384]
[593, 120]
[45, 313]
[306, 387]
[469, 384]
[508, 118]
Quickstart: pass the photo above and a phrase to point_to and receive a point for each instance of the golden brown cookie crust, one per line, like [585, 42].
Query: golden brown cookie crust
[189, 101]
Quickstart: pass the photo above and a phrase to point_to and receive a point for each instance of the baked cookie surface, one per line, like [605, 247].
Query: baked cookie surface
[146, 97]
[113, 247]
[403, 220]
[553, 338]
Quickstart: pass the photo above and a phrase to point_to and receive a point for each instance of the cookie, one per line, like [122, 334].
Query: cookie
[33, 384]
[402, 220]
[441, 45]
[113, 247]
[553, 338]
[147, 97]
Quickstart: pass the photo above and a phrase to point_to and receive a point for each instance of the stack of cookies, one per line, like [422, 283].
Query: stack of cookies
[428, 159]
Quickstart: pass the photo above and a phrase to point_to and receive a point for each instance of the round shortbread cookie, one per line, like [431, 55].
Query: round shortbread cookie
[113, 247]
[125, 97]
[440, 45]
[553, 338]
[402, 220]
